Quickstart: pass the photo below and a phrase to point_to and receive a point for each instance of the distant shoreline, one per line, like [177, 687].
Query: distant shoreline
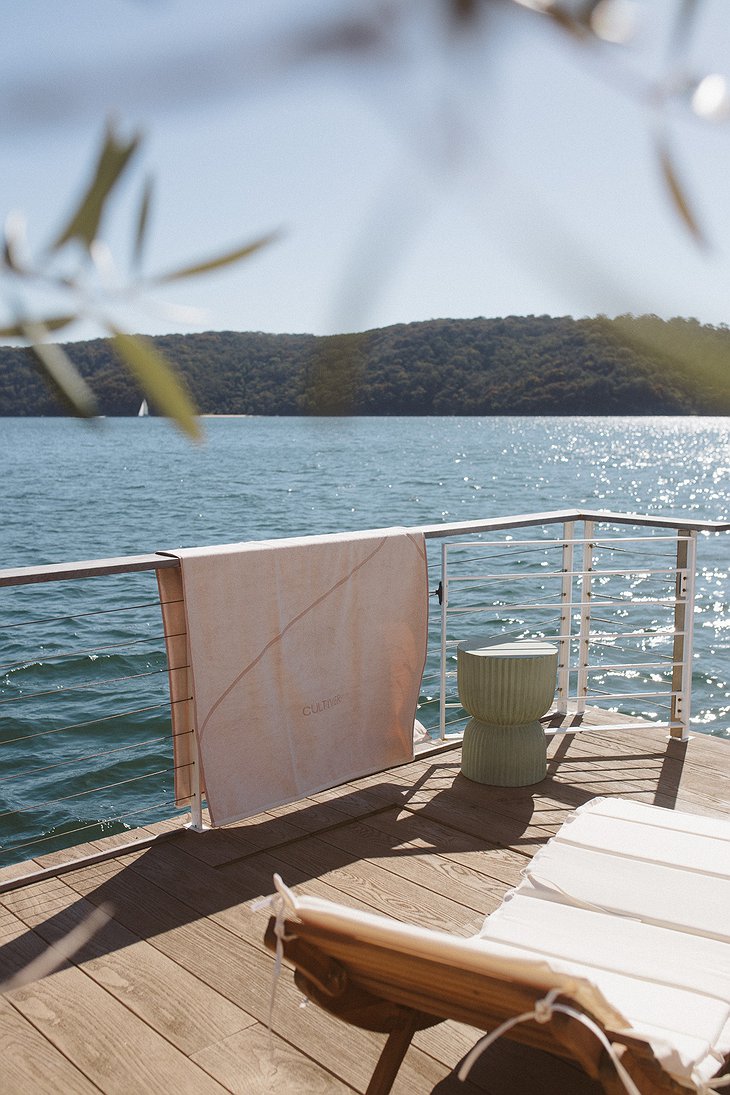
[517, 365]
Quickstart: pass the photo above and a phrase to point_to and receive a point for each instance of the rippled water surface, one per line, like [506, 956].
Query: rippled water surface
[128, 486]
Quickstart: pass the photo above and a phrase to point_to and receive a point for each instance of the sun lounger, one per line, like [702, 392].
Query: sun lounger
[613, 951]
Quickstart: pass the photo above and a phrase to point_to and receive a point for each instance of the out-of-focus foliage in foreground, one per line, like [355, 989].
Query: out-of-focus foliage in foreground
[76, 264]
[71, 266]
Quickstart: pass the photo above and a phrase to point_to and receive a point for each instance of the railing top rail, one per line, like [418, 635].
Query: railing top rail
[91, 568]
[51, 572]
[551, 517]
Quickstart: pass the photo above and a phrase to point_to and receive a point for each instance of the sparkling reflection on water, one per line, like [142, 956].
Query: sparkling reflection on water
[128, 486]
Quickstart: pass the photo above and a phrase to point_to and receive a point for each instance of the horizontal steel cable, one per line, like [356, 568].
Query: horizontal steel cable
[80, 794]
[83, 615]
[89, 684]
[37, 659]
[83, 759]
[167, 804]
[102, 718]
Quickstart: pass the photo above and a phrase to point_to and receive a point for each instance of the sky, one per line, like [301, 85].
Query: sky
[410, 171]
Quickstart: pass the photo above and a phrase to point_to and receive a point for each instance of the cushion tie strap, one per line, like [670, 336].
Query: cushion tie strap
[542, 1013]
[280, 904]
[710, 1086]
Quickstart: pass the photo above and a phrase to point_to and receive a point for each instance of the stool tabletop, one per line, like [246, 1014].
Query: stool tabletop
[518, 648]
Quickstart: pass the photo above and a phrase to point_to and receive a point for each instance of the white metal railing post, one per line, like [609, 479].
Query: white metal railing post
[444, 608]
[585, 617]
[683, 634]
[566, 610]
[196, 801]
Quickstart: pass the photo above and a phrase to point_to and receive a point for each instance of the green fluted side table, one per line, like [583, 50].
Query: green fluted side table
[506, 688]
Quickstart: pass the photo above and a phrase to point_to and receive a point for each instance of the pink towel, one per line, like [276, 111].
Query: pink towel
[305, 657]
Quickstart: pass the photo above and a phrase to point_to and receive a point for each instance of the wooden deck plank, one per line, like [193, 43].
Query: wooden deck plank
[31, 1063]
[380, 889]
[666, 771]
[177, 1005]
[274, 827]
[19, 871]
[514, 830]
[317, 816]
[433, 872]
[367, 795]
[240, 971]
[449, 1041]
[420, 842]
[416, 831]
[113, 1048]
[689, 761]
[18, 947]
[224, 845]
[254, 1061]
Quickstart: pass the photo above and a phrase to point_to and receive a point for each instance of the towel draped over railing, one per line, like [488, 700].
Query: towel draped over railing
[296, 663]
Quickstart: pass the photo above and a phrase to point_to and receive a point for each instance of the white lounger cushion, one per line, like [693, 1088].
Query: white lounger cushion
[655, 893]
[636, 899]
[674, 996]
[605, 903]
[669, 820]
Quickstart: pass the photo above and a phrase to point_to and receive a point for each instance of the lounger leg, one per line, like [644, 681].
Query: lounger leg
[392, 1056]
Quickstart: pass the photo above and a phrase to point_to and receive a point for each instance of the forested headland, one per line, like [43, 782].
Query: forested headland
[515, 365]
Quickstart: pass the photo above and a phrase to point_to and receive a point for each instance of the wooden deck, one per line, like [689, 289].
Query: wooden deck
[174, 994]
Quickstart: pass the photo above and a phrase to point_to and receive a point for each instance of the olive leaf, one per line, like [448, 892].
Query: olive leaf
[13, 237]
[686, 17]
[60, 371]
[114, 157]
[565, 20]
[153, 372]
[214, 264]
[9, 257]
[464, 11]
[678, 196]
[142, 222]
[574, 20]
[50, 323]
[52, 958]
[157, 380]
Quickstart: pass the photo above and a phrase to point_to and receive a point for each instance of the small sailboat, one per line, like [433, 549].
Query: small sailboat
[143, 409]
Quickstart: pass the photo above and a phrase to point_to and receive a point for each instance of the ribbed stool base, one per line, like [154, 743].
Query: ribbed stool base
[506, 683]
[505, 756]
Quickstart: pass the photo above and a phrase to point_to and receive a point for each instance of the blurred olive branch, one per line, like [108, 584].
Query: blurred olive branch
[593, 25]
[155, 375]
[591, 21]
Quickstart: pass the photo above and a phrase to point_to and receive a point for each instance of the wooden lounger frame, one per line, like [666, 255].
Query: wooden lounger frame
[381, 989]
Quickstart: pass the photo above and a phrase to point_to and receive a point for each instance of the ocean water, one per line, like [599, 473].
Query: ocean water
[77, 711]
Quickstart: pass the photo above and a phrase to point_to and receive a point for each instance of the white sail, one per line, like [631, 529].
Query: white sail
[143, 409]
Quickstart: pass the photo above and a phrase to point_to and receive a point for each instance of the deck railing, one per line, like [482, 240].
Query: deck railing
[85, 727]
[615, 594]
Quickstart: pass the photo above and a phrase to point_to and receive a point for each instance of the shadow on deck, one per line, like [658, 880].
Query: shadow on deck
[176, 989]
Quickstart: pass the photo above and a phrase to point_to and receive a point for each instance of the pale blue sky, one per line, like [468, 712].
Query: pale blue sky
[514, 176]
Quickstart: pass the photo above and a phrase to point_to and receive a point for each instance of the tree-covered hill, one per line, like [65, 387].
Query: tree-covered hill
[514, 365]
